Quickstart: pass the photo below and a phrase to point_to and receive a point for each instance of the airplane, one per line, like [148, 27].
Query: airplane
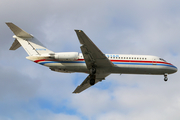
[91, 61]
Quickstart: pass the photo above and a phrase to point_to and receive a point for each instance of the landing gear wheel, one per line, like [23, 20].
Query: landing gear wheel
[165, 77]
[92, 79]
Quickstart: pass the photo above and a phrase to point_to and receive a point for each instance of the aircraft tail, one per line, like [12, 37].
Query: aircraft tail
[31, 45]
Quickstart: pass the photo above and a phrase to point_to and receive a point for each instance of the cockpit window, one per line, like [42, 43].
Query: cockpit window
[162, 59]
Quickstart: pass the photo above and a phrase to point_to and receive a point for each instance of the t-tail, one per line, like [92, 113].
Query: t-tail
[30, 44]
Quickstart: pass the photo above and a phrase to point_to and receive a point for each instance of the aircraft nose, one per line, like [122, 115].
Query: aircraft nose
[174, 69]
[171, 69]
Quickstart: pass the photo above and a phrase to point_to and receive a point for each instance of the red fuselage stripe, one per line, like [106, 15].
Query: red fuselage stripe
[133, 61]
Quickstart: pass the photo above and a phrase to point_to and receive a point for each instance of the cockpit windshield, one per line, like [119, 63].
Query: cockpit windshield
[162, 59]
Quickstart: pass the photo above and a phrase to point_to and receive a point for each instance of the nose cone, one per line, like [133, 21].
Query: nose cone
[174, 69]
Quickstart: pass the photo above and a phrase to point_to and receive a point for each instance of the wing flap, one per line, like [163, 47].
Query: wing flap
[89, 60]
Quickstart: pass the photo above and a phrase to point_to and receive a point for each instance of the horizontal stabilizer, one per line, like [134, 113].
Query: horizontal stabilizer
[18, 31]
[15, 45]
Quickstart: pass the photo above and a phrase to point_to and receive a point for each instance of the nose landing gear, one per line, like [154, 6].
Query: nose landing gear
[165, 77]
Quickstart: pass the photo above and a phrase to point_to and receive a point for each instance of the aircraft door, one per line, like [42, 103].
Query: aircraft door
[154, 61]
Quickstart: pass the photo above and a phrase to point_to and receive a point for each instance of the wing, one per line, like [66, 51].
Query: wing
[94, 58]
[92, 55]
[85, 84]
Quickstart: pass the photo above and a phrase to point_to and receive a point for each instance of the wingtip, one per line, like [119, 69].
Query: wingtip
[78, 30]
[75, 92]
[7, 23]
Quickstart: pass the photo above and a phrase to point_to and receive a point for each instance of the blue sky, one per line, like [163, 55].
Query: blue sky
[33, 92]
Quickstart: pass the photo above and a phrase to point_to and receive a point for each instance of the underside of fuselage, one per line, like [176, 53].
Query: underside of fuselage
[117, 69]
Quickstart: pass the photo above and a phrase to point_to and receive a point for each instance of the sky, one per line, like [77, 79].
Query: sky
[33, 92]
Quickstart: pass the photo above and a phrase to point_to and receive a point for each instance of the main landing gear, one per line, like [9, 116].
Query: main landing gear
[92, 76]
[165, 77]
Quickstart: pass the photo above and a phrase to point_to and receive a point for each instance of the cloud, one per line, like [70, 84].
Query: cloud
[30, 91]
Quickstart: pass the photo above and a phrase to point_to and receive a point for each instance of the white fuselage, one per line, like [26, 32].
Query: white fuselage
[123, 64]
[92, 60]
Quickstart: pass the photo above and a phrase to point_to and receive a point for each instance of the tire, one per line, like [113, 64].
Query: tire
[92, 81]
[165, 79]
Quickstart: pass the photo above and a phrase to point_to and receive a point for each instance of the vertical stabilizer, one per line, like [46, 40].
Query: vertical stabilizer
[31, 45]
